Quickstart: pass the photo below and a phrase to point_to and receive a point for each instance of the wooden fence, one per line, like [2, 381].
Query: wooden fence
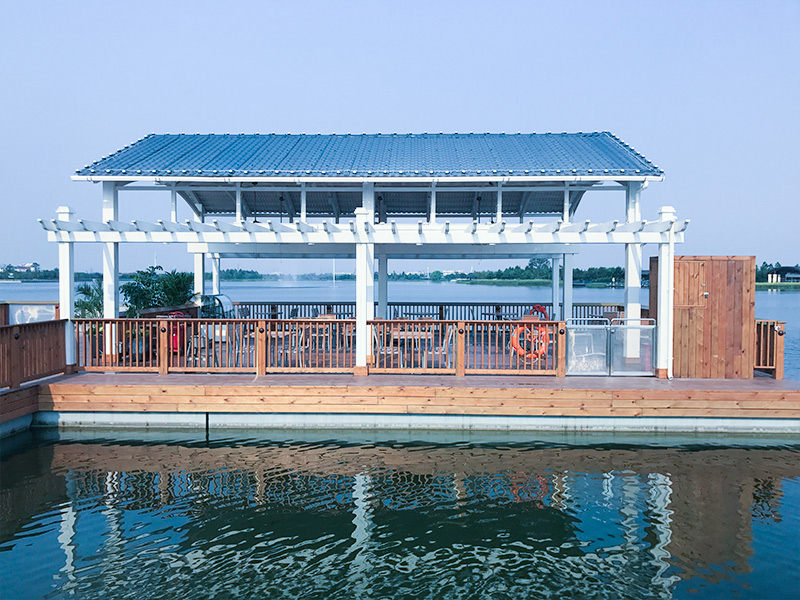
[769, 347]
[319, 346]
[31, 351]
[216, 345]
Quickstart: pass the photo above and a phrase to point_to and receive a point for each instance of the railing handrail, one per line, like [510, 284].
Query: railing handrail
[32, 325]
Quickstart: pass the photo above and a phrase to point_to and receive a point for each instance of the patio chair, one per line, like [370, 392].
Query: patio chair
[385, 348]
[288, 340]
[446, 346]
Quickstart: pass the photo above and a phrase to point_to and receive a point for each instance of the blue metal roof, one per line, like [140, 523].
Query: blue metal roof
[377, 155]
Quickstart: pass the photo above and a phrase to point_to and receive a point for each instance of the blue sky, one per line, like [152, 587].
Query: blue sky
[707, 90]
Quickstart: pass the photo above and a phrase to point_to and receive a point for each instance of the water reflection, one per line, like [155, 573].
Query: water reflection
[329, 519]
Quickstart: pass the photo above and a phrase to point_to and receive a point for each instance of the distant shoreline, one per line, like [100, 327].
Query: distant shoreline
[507, 282]
[786, 285]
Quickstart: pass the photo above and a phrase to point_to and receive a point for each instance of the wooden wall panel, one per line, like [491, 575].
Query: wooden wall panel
[703, 400]
[714, 335]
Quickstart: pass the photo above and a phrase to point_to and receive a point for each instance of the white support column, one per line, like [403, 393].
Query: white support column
[556, 316]
[383, 277]
[173, 209]
[432, 214]
[565, 209]
[368, 200]
[66, 286]
[110, 212]
[499, 216]
[567, 314]
[365, 290]
[665, 316]
[239, 210]
[633, 272]
[215, 273]
[199, 265]
[303, 211]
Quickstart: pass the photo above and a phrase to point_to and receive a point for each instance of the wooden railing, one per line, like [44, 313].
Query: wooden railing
[414, 346]
[769, 347]
[443, 311]
[318, 346]
[216, 345]
[531, 347]
[31, 351]
[468, 347]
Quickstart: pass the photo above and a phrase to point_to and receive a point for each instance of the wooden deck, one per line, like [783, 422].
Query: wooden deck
[409, 394]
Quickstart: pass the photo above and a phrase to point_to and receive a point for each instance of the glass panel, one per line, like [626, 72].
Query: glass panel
[632, 349]
[31, 313]
[587, 349]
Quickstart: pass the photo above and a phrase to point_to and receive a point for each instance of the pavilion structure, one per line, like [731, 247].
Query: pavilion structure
[375, 198]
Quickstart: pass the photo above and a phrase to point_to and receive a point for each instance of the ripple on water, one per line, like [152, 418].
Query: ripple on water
[324, 519]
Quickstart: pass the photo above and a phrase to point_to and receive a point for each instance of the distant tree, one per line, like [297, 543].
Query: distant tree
[436, 276]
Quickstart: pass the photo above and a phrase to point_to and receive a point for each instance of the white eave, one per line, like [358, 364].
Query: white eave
[369, 179]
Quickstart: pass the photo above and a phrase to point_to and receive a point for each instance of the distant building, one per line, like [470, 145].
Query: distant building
[784, 274]
[26, 268]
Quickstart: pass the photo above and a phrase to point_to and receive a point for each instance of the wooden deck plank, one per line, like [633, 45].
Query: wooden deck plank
[424, 394]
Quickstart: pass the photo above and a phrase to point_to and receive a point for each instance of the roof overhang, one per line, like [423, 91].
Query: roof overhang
[377, 180]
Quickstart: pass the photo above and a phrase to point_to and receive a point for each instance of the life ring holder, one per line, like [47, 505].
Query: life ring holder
[537, 336]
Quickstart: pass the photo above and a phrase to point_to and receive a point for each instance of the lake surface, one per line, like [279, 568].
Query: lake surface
[334, 516]
[781, 305]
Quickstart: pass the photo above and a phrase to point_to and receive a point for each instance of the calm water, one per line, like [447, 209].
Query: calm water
[86, 518]
[781, 305]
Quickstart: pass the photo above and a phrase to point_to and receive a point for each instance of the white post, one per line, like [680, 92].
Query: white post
[365, 289]
[567, 314]
[215, 273]
[66, 286]
[383, 274]
[499, 203]
[432, 214]
[565, 209]
[665, 316]
[239, 211]
[633, 272]
[110, 212]
[173, 209]
[199, 265]
[368, 200]
[556, 316]
[303, 210]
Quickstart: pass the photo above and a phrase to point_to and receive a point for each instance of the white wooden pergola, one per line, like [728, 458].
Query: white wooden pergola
[419, 213]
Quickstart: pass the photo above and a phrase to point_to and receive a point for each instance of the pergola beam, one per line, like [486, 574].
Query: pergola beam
[641, 232]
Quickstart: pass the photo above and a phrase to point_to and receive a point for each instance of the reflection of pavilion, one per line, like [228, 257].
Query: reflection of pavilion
[690, 510]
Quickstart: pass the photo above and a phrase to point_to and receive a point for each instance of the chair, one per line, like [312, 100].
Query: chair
[288, 339]
[445, 344]
[385, 348]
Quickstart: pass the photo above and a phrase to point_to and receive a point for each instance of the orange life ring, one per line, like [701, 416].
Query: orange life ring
[541, 310]
[538, 338]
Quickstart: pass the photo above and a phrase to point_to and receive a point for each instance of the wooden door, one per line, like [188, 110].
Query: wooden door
[714, 315]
